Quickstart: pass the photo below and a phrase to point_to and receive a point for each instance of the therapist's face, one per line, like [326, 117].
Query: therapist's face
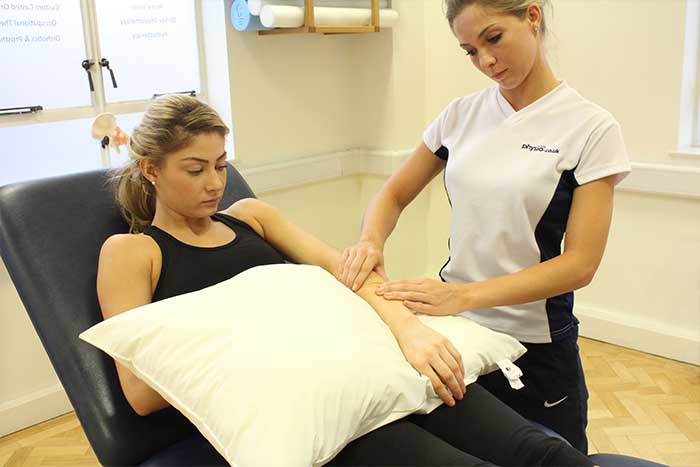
[191, 181]
[502, 46]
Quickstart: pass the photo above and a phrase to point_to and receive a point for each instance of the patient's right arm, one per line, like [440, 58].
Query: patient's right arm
[124, 281]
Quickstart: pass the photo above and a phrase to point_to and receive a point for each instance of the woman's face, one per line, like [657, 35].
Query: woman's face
[501, 46]
[192, 180]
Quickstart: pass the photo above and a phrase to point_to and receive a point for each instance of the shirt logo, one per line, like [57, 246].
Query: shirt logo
[539, 148]
[547, 404]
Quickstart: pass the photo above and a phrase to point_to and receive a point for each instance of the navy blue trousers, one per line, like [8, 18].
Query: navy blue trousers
[555, 392]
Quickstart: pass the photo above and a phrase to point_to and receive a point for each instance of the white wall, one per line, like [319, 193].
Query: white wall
[329, 209]
[647, 292]
[29, 388]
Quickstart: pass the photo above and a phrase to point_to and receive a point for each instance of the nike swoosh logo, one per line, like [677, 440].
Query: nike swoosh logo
[547, 405]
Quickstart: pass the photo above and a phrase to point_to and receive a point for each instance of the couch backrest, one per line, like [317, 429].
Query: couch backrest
[51, 231]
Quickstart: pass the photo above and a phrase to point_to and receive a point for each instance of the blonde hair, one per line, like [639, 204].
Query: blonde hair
[514, 7]
[168, 125]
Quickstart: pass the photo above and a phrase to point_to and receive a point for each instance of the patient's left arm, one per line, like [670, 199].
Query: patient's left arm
[430, 353]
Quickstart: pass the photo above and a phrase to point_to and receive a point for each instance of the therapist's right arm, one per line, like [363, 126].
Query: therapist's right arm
[382, 214]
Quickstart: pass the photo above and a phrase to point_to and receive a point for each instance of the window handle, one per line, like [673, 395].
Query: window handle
[105, 63]
[87, 64]
[21, 110]
[189, 93]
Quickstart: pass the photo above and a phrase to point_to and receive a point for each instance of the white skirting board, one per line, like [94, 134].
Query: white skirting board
[644, 335]
[33, 408]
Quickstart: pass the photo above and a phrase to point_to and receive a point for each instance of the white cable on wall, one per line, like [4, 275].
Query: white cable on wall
[287, 16]
[255, 6]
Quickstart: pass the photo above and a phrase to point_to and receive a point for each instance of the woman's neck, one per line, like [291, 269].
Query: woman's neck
[539, 82]
[173, 222]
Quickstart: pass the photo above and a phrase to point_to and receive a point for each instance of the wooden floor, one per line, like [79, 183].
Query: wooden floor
[640, 405]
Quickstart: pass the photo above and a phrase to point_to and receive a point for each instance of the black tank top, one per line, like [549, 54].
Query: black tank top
[186, 268]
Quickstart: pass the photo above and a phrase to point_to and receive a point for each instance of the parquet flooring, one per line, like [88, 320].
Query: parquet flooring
[640, 405]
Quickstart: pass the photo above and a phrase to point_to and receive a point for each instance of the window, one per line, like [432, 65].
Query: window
[689, 128]
[78, 58]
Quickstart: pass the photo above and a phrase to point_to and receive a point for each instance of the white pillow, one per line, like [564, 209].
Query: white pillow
[282, 364]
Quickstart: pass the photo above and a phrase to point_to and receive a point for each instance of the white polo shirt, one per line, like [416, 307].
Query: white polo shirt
[510, 178]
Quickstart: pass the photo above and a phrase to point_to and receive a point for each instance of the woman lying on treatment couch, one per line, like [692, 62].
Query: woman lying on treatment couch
[180, 242]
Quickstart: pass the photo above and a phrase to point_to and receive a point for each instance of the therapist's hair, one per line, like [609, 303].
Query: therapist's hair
[513, 7]
[169, 124]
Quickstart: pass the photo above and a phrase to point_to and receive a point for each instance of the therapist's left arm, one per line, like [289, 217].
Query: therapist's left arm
[584, 245]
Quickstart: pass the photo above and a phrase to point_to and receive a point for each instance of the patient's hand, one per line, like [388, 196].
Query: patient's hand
[358, 261]
[434, 356]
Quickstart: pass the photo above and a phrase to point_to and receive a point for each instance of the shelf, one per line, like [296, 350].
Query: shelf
[310, 24]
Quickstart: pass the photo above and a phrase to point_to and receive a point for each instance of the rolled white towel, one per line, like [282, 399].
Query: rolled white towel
[255, 6]
[287, 16]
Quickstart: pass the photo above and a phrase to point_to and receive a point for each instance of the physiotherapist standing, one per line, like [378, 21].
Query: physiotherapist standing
[524, 162]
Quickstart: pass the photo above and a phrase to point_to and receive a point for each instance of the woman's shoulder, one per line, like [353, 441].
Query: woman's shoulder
[248, 211]
[129, 249]
[128, 241]
[575, 102]
[125, 274]
[472, 98]
[466, 104]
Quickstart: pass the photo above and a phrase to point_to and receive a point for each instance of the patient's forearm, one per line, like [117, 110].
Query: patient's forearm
[393, 313]
[305, 248]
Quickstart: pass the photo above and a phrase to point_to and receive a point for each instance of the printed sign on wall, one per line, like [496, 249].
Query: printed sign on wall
[42, 48]
[151, 46]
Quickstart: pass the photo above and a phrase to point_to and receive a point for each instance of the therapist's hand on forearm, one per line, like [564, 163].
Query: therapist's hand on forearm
[358, 261]
[425, 296]
[434, 356]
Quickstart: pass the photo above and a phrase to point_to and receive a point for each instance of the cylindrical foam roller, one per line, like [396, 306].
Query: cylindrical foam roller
[287, 16]
[255, 6]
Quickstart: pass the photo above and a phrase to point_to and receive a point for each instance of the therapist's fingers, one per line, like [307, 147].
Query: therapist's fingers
[401, 285]
[341, 265]
[358, 262]
[356, 269]
[371, 263]
[352, 252]
[352, 266]
[362, 274]
[409, 295]
[418, 307]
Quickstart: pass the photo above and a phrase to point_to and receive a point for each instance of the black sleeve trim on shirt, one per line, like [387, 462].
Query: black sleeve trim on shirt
[443, 153]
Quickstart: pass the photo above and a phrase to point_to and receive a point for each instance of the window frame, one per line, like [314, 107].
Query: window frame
[689, 122]
[99, 103]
